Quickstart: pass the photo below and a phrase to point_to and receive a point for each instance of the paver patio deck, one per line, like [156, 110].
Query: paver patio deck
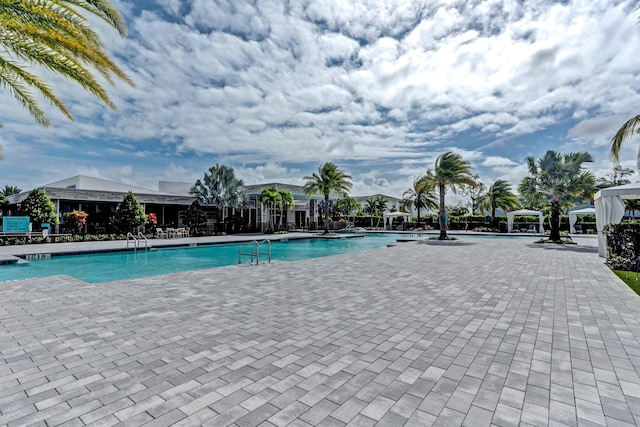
[478, 332]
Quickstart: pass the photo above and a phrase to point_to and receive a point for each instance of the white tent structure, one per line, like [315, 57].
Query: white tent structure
[526, 212]
[391, 215]
[610, 208]
[573, 217]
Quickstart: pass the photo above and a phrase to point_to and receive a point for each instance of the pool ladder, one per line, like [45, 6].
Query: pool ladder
[136, 240]
[252, 250]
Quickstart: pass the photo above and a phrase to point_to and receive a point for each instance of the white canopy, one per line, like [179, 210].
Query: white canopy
[610, 208]
[573, 216]
[391, 215]
[527, 212]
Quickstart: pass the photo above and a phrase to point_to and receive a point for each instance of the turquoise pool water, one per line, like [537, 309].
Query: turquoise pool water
[106, 266]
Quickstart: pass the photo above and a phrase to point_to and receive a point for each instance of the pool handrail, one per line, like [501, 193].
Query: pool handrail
[136, 240]
[254, 252]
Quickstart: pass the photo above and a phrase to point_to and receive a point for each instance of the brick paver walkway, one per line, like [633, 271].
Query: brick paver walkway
[478, 332]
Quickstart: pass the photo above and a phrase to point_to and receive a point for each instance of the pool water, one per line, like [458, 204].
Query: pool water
[106, 266]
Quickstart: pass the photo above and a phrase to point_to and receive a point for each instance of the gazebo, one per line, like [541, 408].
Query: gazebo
[391, 215]
[610, 208]
[523, 212]
[573, 216]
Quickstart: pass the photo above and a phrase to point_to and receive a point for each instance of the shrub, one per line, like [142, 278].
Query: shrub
[75, 220]
[623, 240]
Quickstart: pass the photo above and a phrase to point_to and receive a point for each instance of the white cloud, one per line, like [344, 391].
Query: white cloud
[382, 86]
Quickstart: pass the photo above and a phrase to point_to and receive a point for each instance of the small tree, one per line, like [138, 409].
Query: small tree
[475, 193]
[195, 218]
[129, 214]
[39, 207]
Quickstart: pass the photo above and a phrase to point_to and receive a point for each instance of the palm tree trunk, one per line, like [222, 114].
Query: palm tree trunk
[493, 216]
[418, 221]
[555, 220]
[442, 219]
[326, 214]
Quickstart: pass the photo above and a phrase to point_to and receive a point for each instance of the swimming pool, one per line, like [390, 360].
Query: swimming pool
[107, 266]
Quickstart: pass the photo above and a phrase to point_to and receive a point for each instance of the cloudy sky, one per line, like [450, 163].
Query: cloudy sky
[275, 88]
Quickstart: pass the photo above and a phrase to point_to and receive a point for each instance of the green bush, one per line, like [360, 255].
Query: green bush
[623, 241]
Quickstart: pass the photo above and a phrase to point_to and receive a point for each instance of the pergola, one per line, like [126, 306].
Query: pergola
[610, 208]
[524, 212]
[391, 215]
[573, 217]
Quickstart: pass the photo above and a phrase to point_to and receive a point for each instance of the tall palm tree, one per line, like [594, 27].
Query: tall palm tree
[421, 196]
[328, 179]
[452, 171]
[501, 196]
[286, 201]
[371, 208]
[56, 36]
[272, 200]
[219, 188]
[561, 180]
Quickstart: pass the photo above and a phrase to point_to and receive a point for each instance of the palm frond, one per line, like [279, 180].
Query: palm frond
[626, 131]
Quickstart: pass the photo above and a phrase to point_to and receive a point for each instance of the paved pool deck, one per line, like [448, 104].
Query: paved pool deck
[474, 332]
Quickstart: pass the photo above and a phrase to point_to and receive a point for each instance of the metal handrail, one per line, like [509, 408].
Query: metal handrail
[146, 241]
[136, 240]
[130, 237]
[254, 252]
[417, 231]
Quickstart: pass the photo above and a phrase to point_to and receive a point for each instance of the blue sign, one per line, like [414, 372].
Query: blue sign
[16, 224]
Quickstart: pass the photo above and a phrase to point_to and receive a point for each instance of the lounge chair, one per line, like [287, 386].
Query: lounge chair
[161, 233]
[515, 228]
[578, 228]
[532, 229]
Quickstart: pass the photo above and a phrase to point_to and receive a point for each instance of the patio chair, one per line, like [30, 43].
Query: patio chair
[532, 229]
[578, 228]
[515, 228]
[161, 233]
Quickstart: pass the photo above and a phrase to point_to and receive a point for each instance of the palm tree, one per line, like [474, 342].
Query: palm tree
[421, 196]
[452, 171]
[371, 208]
[56, 36]
[286, 201]
[272, 200]
[501, 196]
[329, 178]
[219, 188]
[628, 129]
[348, 206]
[9, 190]
[561, 180]
[5, 192]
